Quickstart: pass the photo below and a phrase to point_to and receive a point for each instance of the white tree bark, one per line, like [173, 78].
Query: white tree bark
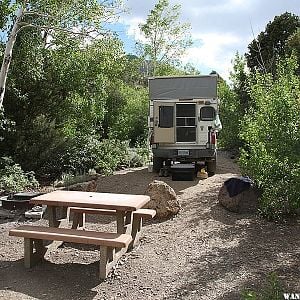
[8, 54]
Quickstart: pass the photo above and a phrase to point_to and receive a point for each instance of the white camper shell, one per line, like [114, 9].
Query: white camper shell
[184, 120]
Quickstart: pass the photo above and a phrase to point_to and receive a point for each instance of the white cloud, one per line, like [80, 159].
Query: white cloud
[213, 53]
[133, 28]
[223, 27]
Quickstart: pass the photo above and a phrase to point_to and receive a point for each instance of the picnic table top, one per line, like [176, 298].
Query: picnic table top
[119, 202]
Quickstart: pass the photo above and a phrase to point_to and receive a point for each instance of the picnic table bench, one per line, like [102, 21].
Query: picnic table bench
[34, 235]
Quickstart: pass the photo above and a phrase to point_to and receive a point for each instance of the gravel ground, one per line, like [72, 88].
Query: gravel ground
[204, 252]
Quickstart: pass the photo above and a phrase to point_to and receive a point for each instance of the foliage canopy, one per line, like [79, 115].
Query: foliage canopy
[166, 38]
[271, 44]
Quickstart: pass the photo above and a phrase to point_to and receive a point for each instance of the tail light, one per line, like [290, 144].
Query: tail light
[152, 139]
[213, 137]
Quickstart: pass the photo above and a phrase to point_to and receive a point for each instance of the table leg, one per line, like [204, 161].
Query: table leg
[136, 230]
[128, 217]
[53, 222]
[121, 222]
[78, 220]
[57, 218]
[124, 222]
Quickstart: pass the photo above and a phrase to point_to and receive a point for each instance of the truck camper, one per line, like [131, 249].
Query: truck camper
[184, 120]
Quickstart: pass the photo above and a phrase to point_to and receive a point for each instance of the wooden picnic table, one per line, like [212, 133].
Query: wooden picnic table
[127, 209]
[123, 204]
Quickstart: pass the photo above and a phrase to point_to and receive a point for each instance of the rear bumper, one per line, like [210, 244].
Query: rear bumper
[194, 154]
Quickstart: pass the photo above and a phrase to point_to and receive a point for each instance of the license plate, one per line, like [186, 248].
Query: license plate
[183, 152]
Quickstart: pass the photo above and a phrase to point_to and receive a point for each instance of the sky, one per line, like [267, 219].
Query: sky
[220, 28]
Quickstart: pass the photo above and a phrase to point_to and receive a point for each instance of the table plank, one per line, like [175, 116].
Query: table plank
[121, 202]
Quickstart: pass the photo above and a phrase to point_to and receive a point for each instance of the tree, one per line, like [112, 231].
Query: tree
[131, 122]
[81, 19]
[239, 79]
[271, 43]
[293, 46]
[166, 38]
[58, 95]
[234, 104]
[271, 136]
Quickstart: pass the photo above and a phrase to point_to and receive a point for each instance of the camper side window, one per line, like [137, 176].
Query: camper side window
[166, 116]
[207, 113]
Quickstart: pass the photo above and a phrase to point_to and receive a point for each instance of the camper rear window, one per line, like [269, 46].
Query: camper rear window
[207, 113]
[166, 115]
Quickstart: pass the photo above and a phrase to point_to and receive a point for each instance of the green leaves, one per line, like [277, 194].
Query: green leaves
[271, 290]
[131, 121]
[233, 104]
[13, 178]
[271, 134]
[270, 44]
[166, 38]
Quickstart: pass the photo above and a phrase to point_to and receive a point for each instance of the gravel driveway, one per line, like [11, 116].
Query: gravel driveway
[203, 253]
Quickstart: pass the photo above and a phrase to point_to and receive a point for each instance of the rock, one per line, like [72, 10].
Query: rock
[163, 199]
[88, 186]
[244, 202]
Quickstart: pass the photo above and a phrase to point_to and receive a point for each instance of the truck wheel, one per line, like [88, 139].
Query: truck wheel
[157, 164]
[211, 167]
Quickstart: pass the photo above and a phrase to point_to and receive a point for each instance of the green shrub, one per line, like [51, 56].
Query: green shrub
[40, 147]
[230, 115]
[112, 155]
[68, 179]
[271, 133]
[271, 290]
[234, 102]
[131, 123]
[81, 154]
[13, 178]
[138, 156]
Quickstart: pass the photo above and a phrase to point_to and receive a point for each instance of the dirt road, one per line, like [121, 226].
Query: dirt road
[203, 253]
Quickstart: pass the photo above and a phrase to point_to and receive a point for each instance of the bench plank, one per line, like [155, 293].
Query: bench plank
[145, 213]
[79, 215]
[92, 211]
[72, 235]
[80, 212]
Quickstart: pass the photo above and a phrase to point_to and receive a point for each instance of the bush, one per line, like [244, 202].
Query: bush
[138, 156]
[88, 152]
[68, 179]
[131, 123]
[234, 102]
[271, 133]
[112, 155]
[272, 290]
[81, 154]
[40, 146]
[13, 178]
[230, 114]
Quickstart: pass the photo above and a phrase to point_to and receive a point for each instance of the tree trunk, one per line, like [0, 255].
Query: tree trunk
[8, 54]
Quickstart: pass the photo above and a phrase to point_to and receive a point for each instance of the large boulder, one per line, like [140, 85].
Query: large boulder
[242, 199]
[163, 199]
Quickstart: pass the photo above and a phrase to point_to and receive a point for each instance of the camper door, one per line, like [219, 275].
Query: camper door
[164, 131]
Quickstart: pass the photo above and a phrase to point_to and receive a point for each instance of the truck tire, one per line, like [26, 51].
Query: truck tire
[157, 164]
[211, 167]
